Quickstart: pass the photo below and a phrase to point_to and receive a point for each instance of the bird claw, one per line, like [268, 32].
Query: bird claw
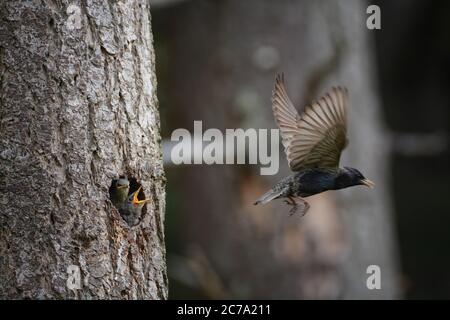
[305, 208]
[294, 208]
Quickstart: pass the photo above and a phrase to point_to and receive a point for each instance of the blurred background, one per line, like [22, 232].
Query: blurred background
[216, 62]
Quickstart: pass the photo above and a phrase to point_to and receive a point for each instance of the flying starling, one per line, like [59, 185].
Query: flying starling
[131, 209]
[119, 191]
[313, 142]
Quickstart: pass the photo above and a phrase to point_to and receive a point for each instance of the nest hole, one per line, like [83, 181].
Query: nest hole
[133, 186]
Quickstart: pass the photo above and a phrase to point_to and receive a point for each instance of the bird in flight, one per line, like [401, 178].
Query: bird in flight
[313, 142]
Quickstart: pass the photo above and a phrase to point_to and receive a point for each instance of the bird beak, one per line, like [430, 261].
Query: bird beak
[121, 186]
[368, 183]
[135, 197]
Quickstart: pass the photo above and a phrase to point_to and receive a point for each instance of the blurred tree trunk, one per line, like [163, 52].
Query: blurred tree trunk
[78, 108]
[223, 57]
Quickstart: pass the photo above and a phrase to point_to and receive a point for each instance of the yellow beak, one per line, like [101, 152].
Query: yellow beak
[135, 197]
[368, 183]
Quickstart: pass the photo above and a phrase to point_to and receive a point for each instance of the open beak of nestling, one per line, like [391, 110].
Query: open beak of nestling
[135, 197]
[367, 183]
[121, 186]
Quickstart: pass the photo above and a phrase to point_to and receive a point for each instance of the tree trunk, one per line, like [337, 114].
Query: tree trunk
[78, 109]
[223, 59]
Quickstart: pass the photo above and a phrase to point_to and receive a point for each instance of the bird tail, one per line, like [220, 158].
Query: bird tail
[268, 196]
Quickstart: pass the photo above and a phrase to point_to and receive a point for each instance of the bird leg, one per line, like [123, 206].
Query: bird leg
[291, 201]
[294, 205]
[305, 206]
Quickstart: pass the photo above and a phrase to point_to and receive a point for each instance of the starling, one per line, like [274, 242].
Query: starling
[313, 142]
[131, 209]
[119, 191]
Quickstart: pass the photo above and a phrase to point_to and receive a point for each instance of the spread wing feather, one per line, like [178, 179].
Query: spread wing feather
[317, 137]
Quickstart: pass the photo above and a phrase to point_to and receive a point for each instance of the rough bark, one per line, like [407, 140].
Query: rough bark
[78, 108]
[226, 55]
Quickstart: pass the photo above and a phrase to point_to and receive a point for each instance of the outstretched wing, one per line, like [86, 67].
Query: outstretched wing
[317, 137]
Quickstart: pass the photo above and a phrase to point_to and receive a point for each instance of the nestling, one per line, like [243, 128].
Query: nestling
[131, 209]
[119, 191]
[313, 142]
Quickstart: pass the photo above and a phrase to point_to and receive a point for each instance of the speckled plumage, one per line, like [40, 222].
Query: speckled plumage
[306, 183]
[312, 181]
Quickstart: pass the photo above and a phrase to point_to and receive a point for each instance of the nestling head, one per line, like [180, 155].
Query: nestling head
[118, 192]
[123, 184]
[133, 199]
[352, 177]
